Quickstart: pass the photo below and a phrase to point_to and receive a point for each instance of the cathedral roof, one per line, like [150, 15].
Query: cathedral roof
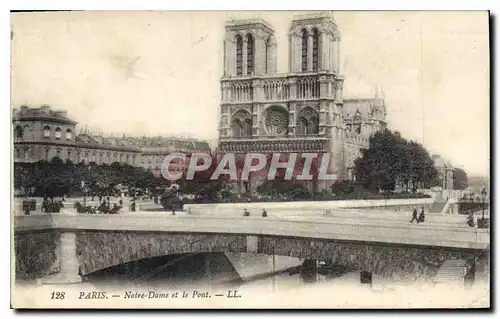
[440, 162]
[364, 107]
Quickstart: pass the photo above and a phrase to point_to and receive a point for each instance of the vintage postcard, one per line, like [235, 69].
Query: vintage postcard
[253, 160]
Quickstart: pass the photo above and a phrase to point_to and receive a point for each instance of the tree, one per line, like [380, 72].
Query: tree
[284, 189]
[390, 159]
[460, 179]
[202, 186]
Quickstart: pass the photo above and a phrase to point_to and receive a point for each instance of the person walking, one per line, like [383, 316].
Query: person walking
[264, 213]
[415, 216]
[421, 217]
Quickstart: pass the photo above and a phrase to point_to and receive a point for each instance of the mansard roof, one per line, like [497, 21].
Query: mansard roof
[43, 113]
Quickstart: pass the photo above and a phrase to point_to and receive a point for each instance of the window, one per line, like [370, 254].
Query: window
[58, 133]
[69, 155]
[27, 131]
[47, 155]
[18, 132]
[18, 153]
[69, 134]
[315, 49]
[26, 153]
[239, 55]
[58, 154]
[250, 57]
[304, 50]
[46, 131]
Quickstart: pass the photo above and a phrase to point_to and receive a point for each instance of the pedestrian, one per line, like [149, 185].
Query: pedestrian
[470, 220]
[415, 216]
[173, 210]
[264, 213]
[421, 218]
[246, 213]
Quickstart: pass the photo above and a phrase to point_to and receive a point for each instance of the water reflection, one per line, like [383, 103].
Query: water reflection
[218, 271]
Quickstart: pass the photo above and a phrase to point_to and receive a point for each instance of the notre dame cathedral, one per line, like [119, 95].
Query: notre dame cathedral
[302, 111]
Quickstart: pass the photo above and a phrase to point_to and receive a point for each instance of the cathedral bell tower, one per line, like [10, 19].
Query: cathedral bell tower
[314, 44]
[249, 48]
[314, 56]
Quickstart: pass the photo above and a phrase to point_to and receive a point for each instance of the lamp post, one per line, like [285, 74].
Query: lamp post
[84, 194]
[483, 192]
[84, 187]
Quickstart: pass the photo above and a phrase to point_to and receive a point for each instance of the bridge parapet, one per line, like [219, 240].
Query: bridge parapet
[93, 242]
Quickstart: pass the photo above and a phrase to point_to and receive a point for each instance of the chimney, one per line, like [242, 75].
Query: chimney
[45, 108]
[62, 113]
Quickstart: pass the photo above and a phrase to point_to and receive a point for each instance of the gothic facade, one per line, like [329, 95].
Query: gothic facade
[301, 111]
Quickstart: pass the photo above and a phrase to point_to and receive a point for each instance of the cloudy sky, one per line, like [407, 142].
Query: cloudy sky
[149, 73]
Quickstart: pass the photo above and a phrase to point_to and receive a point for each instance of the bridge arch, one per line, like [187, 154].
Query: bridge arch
[99, 250]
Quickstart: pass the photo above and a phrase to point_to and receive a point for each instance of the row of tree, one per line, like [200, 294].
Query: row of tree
[389, 162]
[57, 178]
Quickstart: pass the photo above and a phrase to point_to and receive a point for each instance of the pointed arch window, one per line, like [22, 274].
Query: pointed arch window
[69, 134]
[315, 48]
[242, 124]
[239, 55]
[58, 133]
[308, 121]
[304, 50]
[268, 54]
[250, 54]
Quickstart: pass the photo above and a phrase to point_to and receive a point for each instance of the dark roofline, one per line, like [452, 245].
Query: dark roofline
[43, 118]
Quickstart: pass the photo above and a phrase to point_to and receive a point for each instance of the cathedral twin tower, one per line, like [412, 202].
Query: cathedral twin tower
[250, 46]
[301, 111]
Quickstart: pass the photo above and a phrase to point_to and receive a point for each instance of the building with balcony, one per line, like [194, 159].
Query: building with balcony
[42, 134]
[301, 111]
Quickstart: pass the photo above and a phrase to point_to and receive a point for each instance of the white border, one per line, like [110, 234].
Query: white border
[492, 5]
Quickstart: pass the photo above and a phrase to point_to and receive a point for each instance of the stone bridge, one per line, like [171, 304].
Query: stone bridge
[66, 246]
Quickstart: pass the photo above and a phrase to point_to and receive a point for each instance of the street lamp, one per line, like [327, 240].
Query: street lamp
[84, 187]
[84, 194]
[483, 192]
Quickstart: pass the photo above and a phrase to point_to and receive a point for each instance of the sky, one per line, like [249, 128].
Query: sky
[157, 73]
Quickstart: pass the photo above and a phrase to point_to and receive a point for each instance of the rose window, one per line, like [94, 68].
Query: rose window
[276, 121]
